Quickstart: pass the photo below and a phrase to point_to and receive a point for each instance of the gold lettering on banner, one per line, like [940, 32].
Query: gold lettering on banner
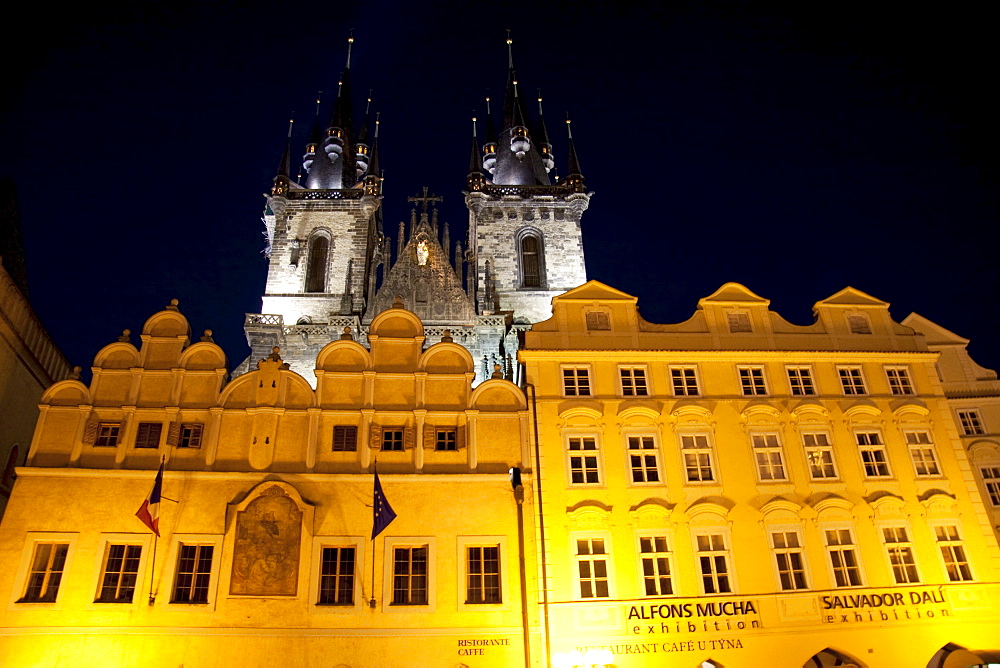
[266, 550]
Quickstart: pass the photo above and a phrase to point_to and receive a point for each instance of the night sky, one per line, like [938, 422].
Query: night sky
[796, 148]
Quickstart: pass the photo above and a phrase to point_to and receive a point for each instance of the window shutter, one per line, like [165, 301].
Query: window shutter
[408, 437]
[430, 436]
[375, 437]
[174, 433]
[90, 432]
[460, 436]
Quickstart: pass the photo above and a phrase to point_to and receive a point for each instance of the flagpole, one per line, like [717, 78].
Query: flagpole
[372, 603]
[152, 574]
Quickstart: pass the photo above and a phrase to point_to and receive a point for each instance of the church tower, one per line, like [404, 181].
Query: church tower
[524, 225]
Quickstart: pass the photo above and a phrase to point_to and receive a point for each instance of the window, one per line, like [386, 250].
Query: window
[584, 467]
[991, 478]
[684, 381]
[972, 424]
[633, 381]
[900, 552]
[859, 324]
[872, 454]
[697, 455]
[345, 438]
[953, 553]
[107, 434]
[531, 274]
[851, 380]
[148, 435]
[336, 577]
[409, 575]
[819, 455]
[47, 563]
[713, 559]
[739, 322]
[767, 454]
[576, 381]
[752, 381]
[598, 321]
[392, 439]
[319, 248]
[592, 565]
[194, 572]
[800, 381]
[843, 558]
[643, 459]
[482, 574]
[121, 571]
[922, 453]
[899, 380]
[788, 558]
[655, 557]
[190, 435]
[446, 440]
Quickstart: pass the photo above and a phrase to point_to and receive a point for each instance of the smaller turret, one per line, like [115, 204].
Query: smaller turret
[574, 177]
[542, 137]
[475, 178]
[490, 147]
[362, 149]
[314, 138]
[282, 181]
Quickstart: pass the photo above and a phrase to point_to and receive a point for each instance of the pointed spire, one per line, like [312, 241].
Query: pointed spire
[474, 178]
[315, 137]
[542, 138]
[373, 179]
[281, 183]
[363, 150]
[490, 147]
[574, 177]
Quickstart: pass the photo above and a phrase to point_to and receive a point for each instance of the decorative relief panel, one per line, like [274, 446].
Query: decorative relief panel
[267, 546]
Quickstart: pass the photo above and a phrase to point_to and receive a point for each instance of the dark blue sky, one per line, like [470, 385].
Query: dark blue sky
[796, 148]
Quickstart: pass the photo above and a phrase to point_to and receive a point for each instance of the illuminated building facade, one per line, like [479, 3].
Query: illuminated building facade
[265, 555]
[735, 490]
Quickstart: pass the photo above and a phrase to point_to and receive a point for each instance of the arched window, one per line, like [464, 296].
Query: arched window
[531, 261]
[319, 249]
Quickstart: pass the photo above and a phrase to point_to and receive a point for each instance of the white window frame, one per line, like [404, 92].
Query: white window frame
[821, 449]
[506, 574]
[841, 548]
[598, 453]
[631, 388]
[900, 381]
[991, 483]
[681, 379]
[714, 553]
[923, 454]
[141, 594]
[879, 447]
[388, 570]
[654, 556]
[800, 379]
[575, 385]
[852, 380]
[174, 560]
[23, 573]
[971, 422]
[643, 452]
[694, 449]
[952, 540]
[900, 550]
[579, 558]
[756, 380]
[767, 444]
[359, 543]
[787, 550]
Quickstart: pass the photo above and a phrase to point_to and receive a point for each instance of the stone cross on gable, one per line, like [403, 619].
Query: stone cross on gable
[425, 200]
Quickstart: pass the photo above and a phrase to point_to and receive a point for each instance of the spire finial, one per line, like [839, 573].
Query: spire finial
[539, 101]
[350, 43]
[487, 105]
[291, 122]
[569, 128]
[510, 51]
[377, 114]
[369, 105]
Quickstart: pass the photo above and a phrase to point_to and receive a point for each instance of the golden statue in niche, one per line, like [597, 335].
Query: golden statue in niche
[423, 253]
[266, 549]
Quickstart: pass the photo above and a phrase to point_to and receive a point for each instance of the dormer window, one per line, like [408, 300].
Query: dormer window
[597, 321]
[859, 324]
[739, 322]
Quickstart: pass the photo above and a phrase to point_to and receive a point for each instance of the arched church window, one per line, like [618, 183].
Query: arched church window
[531, 266]
[319, 249]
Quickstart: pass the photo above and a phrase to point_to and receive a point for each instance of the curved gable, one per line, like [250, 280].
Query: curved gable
[447, 357]
[117, 355]
[344, 355]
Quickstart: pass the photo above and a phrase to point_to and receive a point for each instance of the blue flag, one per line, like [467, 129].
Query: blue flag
[384, 514]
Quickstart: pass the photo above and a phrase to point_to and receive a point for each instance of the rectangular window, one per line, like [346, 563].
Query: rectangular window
[697, 455]
[392, 439]
[800, 381]
[148, 435]
[584, 466]
[859, 324]
[739, 322]
[194, 571]
[899, 380]
[713, 559]
[843, 558]
[953, 553]
[900, 551]
[47, 563]
[598, 321]
[872, 454]
[345, 438]
[446, 440]
[655, 556]
[922, 453]
[684, 381]
[633, 380]
[409, 575]
[482, 574]
[851, 380]
[108, 434]
[592, 565]
[819, 455]
[121, 571]
[576, 381]
[767, 454]
[336, 577]
[752, 381]
[991, 478]
[190, 436]
[642, 457]
[972, 424]
[788, 558]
